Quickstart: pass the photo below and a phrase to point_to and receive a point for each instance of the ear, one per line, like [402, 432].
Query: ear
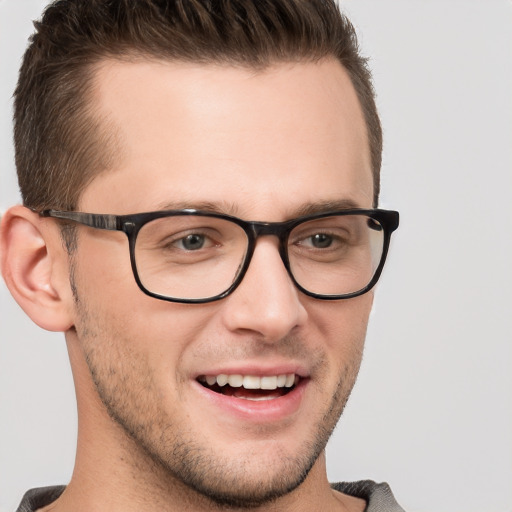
[35, 266]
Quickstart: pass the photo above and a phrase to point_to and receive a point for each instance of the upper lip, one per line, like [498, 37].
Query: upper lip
[256, 370]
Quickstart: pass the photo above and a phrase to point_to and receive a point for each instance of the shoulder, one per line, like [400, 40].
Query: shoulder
[40, 497]
[378, 496]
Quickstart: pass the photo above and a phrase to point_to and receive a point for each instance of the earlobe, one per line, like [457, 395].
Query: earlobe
[35, 268]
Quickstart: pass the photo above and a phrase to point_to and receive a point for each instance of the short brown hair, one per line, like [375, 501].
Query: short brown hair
[61, 143]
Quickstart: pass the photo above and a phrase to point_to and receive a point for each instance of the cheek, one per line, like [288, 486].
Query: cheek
[342, 325]
[103, 270]
[119, 313]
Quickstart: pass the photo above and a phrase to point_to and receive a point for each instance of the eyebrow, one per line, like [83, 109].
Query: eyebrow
[325, 206]
[223, 207]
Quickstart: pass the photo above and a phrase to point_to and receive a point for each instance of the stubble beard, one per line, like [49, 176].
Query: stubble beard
[167, 453]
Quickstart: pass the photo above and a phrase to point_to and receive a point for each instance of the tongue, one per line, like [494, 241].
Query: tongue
[253, 394]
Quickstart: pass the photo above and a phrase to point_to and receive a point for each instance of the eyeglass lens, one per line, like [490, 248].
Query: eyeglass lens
[199, 257]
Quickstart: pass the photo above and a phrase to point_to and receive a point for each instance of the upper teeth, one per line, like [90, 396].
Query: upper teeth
[251, 381]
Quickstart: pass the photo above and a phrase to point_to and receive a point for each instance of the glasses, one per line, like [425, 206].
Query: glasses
[193, 256]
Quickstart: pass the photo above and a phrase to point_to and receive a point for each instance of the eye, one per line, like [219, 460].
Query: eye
[192, 242]
[320, 240]
[321, 243]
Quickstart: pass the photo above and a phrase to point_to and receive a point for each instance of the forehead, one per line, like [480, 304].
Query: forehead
[262, 142]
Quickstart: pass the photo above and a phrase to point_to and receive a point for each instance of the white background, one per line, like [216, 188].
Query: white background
[432, 411]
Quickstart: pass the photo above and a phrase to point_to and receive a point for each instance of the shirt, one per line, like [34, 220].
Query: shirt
[378, 497]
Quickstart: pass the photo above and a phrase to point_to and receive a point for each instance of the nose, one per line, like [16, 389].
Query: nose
[266, 302]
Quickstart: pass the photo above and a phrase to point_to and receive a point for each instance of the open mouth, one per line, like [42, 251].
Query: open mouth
[250, 387]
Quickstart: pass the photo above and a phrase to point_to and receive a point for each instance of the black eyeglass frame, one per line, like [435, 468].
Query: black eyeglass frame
[132, 224]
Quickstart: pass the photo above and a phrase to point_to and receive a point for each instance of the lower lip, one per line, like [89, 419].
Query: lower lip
[261, 411]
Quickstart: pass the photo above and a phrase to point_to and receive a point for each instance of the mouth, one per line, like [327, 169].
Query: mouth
[251, 387]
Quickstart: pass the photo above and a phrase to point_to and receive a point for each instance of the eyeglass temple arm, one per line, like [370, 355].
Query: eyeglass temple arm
[93, 220]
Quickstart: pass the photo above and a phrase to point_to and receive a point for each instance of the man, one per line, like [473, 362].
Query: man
[200, 182]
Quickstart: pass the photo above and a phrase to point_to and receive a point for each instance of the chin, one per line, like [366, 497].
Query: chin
[247, 483]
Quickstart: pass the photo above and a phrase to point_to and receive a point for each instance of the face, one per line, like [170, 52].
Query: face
[262, 146]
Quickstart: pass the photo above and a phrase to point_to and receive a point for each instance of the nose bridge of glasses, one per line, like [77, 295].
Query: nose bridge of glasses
[267, 230]
[279, 230]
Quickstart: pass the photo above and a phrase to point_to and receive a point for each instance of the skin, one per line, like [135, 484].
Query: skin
[260, 145]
